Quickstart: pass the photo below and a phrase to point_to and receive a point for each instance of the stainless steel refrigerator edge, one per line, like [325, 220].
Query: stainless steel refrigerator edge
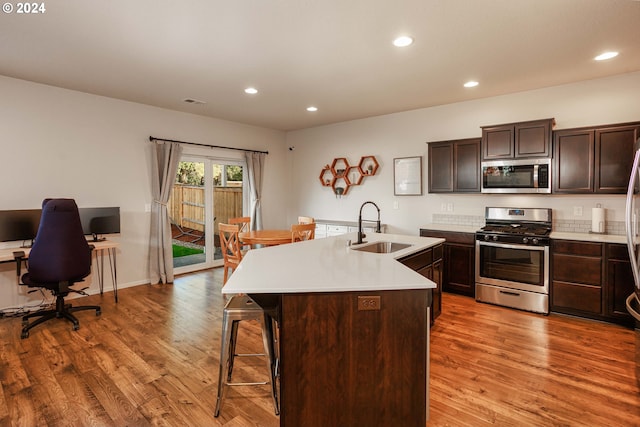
[632, 216]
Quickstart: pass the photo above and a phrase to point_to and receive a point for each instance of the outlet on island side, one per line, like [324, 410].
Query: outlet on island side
[368, 303]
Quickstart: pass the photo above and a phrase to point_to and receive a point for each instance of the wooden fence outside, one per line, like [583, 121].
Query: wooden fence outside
[186, 205]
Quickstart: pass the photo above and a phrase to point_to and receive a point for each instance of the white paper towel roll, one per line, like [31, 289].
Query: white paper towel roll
[597, 220]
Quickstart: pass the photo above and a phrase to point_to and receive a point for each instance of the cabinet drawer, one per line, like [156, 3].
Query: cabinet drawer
[577, 269]
[437, 252]
[577, 297]
[419, 260]
[321, 231]
[334, 230]
[572, 247]
[616, 251]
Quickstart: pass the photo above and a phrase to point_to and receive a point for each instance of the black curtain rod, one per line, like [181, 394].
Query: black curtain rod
[153, 138]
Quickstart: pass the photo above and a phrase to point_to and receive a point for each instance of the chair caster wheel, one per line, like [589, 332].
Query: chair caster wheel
[76, 327]
[24, 334]
[98, 312]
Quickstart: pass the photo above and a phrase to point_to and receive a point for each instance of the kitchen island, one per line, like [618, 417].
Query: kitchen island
[354, 329]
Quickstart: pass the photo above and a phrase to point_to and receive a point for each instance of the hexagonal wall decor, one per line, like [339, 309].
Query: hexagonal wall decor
[340, 176]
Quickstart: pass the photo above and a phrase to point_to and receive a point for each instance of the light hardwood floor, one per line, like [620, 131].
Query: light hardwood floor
[152, 359]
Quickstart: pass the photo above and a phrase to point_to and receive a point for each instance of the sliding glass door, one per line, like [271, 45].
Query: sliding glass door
[207, 191]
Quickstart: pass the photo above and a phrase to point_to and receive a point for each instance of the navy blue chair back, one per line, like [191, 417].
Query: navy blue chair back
[60, 252]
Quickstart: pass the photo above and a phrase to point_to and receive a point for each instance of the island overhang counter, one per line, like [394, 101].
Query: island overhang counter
[353, 329]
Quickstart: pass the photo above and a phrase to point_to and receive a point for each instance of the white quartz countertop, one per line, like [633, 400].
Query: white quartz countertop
[329, 265]
[452, 228]
[559, 235]
[589, 237]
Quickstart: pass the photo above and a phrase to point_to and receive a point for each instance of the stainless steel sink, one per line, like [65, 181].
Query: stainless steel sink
[382, 247]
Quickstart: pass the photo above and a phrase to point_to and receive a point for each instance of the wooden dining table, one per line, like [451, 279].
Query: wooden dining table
[265, 237]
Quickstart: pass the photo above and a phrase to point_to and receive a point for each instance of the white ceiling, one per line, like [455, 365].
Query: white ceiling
[334, 54]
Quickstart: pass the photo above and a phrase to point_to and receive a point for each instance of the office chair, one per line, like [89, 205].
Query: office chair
[60, 257]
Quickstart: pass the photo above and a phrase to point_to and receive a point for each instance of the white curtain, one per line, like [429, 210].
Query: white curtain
[255, 167]
[165, 159]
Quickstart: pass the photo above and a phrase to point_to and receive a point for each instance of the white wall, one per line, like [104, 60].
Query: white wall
[602, 101]
[62, 143]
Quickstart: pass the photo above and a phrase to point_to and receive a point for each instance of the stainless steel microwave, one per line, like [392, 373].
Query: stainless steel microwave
[516, 176]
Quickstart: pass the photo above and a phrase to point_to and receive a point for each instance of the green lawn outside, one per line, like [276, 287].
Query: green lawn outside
[179, 251]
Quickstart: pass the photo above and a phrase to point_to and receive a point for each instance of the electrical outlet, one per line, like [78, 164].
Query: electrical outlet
[396, 205]
[577, 211]
[147, 207]
[449, 207]
[368, 303]
[443, 207]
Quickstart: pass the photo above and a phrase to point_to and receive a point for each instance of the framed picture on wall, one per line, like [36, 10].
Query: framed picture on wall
[407, 176]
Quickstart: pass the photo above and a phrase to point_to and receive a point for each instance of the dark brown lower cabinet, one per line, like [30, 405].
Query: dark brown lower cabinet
[591, 280]
[619, 284]
[429, 264]
[344, 366]
[458, 261]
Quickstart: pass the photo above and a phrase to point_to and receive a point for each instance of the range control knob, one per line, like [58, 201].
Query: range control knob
[487, 237]
[495, 238]
[525, 240]
[535, 241]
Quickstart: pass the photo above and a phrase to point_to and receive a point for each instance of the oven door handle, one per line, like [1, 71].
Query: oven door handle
[510, 246]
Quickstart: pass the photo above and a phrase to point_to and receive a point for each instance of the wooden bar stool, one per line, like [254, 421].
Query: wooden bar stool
[238, 308]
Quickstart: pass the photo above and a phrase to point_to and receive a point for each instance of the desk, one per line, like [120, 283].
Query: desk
[6, 255]
[265, 237]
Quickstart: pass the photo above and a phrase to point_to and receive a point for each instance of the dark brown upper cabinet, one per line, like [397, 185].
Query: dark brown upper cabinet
[594, 159]
[517, 140]
[454, 166]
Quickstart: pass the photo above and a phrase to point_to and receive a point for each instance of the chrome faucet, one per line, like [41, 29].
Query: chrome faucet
[361, 235]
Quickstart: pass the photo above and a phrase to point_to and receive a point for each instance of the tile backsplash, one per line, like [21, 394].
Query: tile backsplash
[470, 220]
[582, 226]
[561, 225]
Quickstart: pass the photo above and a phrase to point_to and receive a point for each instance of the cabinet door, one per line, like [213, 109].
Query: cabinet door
[533, 139]
[497, 142]
[440, 167]
[619, 283]
[459, 269]
[614, 158]
[436, 307]
[466, 157]
[573, 161]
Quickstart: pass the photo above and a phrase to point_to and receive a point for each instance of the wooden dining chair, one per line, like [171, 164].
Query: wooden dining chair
[230, 246]
[244, 224]
[306, 220]
[301, 232]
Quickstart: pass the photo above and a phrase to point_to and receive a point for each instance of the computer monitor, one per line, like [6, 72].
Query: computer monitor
[19, 224]
[99, 221]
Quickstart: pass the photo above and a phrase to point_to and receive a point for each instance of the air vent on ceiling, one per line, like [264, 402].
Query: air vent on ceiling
[193, 101]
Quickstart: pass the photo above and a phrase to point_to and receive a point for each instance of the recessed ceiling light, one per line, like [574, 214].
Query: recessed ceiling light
[471, 84]
[606, 55]
[312, 109]
[403, 41]
[251, 90]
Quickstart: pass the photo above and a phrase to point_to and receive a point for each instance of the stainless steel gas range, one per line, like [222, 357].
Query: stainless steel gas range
[512, 258]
